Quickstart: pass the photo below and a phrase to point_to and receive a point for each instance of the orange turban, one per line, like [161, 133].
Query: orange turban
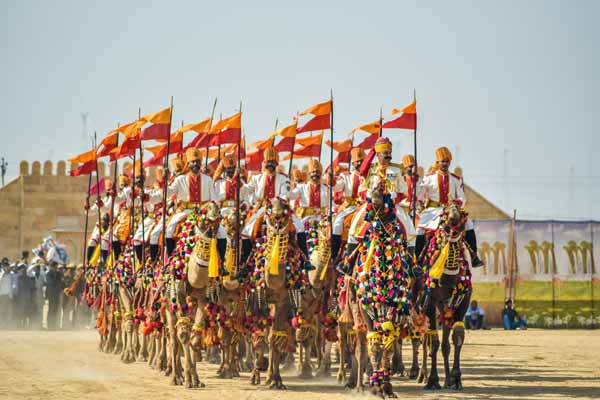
[107, 184]
[228, 161]
[408, 160]
[177, 164]
[193, 154]
[270, 154]
[159, 174]
[383, 144]
[314, 165]
[442, 153]
[124, 180]
[357, 154]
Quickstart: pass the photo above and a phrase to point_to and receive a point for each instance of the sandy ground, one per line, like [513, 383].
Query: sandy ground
[533, 364]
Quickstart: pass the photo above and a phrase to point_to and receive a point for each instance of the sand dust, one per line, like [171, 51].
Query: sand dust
[535, 364]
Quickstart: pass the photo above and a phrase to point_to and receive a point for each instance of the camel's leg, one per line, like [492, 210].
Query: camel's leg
[433, 382]
[397, 364]
[124, 352]
[341, 376]
[119, 339]
[175, 369]
[414, 369]
[305, 347]
[225, 370]
[375, 350]
[361, 359]
[151, 349]
[142, 355]
[446, 355]
[325, 368]
[386, 362]
[458, 338]
[162, 361]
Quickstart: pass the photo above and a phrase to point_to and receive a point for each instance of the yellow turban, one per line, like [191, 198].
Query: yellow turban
[383, 144]
[442, 153]
[193, 154]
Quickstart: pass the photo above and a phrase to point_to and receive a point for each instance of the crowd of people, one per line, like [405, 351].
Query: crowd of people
[32, 296]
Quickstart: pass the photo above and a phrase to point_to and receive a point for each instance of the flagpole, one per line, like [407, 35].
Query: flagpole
[165, 183]
[331, 170]
[415, 173]
[143, 260]
[212, 115]
[112, 203]
[276, 123]
[237, 194]
[293, 145]
[87, 213]
[98, 189]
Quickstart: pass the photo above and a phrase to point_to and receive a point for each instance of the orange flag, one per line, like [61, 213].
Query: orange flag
[341, 147]
[373, 128]
[84, 157]
[200, 127]
[160, 117]
[233, 122]
[263, 144]
[288, 131]
[311, 140]
[318, 109]
[131, 129]
[409, 109]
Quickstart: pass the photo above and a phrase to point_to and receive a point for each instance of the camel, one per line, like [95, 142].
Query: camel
[380, 276]
[276, 277]
[447, 290]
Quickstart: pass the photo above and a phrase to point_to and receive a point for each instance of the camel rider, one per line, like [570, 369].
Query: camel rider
[260, 188]
[313, 196]
[388, 174]
[177, 166]
[142, 207]
[349, 184]
[95, 240]
[97, 236]
[191, 190]
[440, 188]
[225, 191]
[410, 176]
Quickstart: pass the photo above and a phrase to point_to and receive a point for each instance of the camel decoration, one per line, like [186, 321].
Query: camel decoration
[380, 277]
[447, 290]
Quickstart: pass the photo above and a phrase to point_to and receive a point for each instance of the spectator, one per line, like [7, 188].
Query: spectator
[22, 297]
[474, 316]
[37, 272]
[5, 294]
[511, 319]
[54, 287]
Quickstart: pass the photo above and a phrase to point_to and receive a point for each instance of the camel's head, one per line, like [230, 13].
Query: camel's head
[209, 218]
[453, 214]
[278, 210]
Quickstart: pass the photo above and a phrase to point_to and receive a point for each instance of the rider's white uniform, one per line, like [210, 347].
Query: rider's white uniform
[349, 183]
[302, 192]
[429, 190]
[254, 193]
[396, 186]
[180, 188]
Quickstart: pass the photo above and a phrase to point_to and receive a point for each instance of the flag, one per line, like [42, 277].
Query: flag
[263, 144]
[311, 140]
[254, 161]
[285, 144]
[130, 129]
[228, 130]
[98, 188]
[319, 109]
[409, 109]
[408, 119]
[127, 148]
[343, 157]
[107, 144]
[84, 169]
[309, 151]
[369, 142]
[200, 127]
[344, 146]
[202, 140]
[317, 123]
[288, 131]
[372, 128]
[84, 157]
[161, 125]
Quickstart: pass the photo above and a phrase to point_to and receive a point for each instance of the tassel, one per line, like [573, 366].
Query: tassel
[370, 256]
[438, 267]
[324, 271]
[229, 258]
[95, 256]
[274, 260]
[213, 264]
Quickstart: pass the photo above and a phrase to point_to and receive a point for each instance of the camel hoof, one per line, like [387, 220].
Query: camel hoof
[323, 373]
[278, 386]
[305, 375]
[226, 375]
[414, 373]
[433, 384]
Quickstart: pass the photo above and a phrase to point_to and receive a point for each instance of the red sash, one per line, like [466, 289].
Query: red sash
[444, 187]
[195, 188]
[314, 197]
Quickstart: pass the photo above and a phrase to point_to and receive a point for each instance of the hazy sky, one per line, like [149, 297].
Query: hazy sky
[511, 87]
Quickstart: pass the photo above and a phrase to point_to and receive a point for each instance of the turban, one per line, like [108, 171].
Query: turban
[383, 144]
[314, 165]
[176, 163]
[357, 154]
[107, 184]
[408, 160]
[270, 154]
[193, 154]
[124, 180]
[442, 153]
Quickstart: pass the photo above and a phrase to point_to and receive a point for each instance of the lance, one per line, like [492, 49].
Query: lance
[98, 191]
[331, 170]
[165, 175]
[293, 145]
[143, 260]
[212, 115]
[415, 176]
[87, 213]
[112, 204]
[237, 194]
